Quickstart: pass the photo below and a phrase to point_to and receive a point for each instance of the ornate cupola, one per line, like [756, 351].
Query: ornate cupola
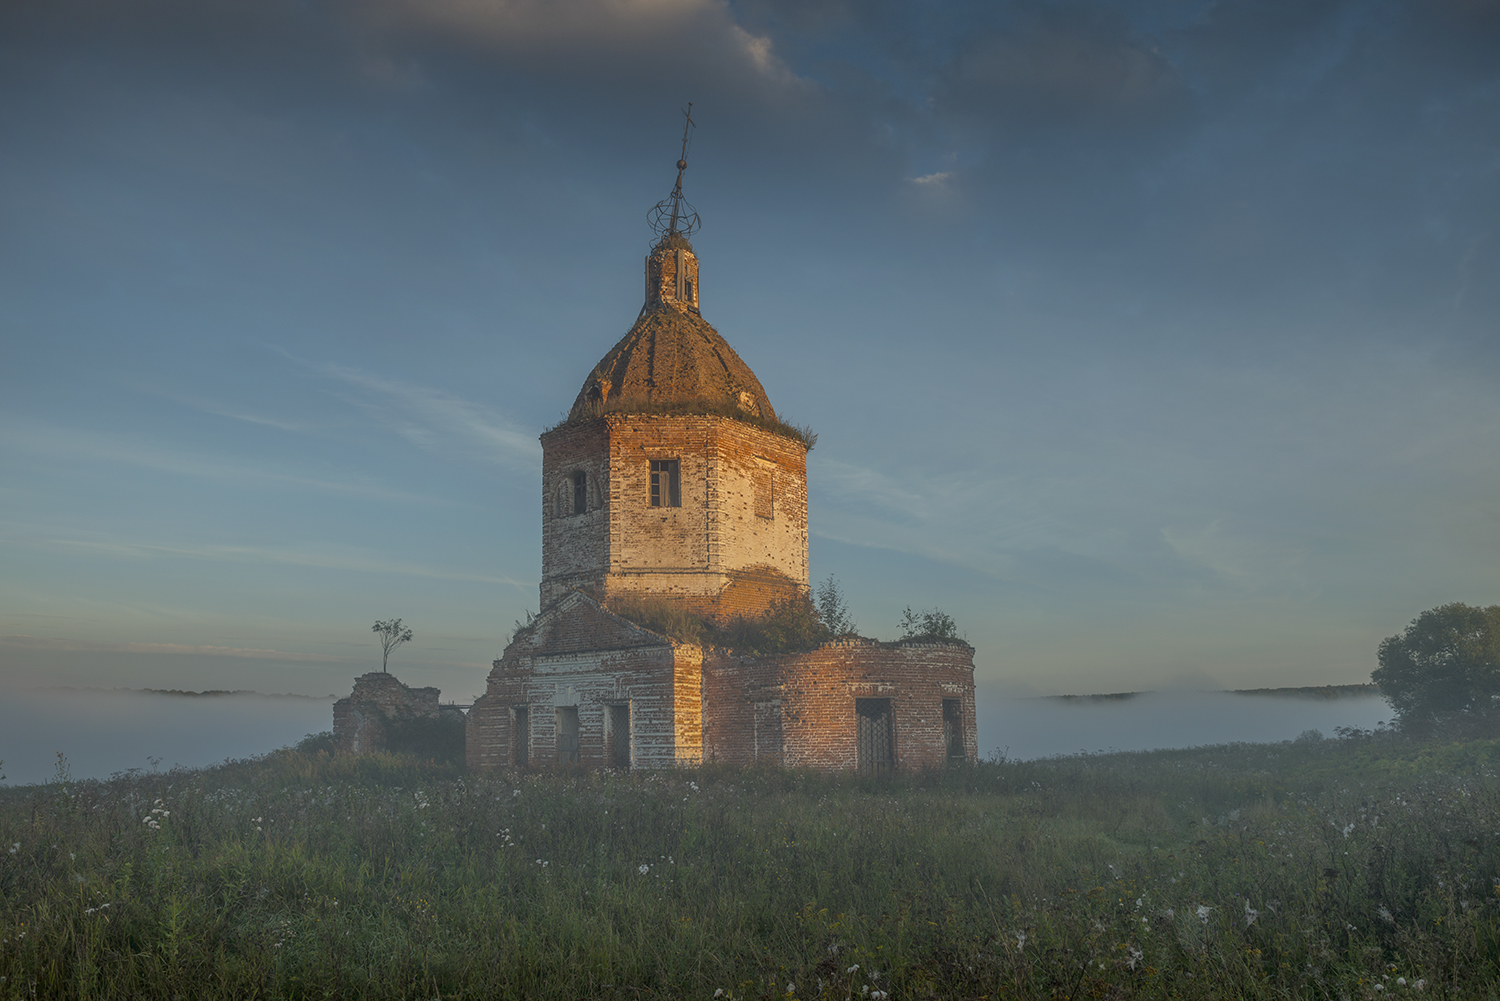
[672, 477]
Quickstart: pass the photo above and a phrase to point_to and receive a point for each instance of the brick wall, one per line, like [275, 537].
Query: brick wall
[687, 705]
[359, 718]
[575, 547]
[579, 656]
[810, 699]
[737, 542]
[663, 266]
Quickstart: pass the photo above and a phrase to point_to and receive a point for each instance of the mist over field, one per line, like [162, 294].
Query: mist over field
[1042, 727]
[102, 732]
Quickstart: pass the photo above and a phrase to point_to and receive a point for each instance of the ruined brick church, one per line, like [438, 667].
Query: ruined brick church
[673, 481]
[673, 484]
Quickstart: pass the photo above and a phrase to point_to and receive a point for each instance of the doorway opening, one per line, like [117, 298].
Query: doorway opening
[567, 735]
[876, 748]
[619, 736]
[953, 729]
[520, 750]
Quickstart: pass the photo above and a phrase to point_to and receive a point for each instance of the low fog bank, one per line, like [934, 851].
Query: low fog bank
[1039, 728]
[102, 732]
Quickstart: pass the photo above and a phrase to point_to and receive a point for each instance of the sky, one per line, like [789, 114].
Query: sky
[1157, 342]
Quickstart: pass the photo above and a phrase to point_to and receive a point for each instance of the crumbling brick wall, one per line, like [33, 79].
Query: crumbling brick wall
[360, 719]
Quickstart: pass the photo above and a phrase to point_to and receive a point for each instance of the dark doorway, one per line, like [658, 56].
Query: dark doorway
[875, 746]
[768, 732]
[953, 728]
[619, 736]
[567, 735]
[520, 753]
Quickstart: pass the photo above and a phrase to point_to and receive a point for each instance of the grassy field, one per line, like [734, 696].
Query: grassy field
[1355, 868]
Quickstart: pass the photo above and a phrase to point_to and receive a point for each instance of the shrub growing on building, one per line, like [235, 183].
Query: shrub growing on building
[933, 624]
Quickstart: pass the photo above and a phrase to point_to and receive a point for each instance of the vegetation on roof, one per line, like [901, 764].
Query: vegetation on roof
[791, 625]
[806, 435]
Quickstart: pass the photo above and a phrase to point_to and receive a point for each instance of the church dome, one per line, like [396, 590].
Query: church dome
[672, 360]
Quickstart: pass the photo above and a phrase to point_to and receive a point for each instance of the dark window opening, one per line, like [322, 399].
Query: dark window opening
[567, 735]
[953, 728]
[619, 736]
[874, 743]
[666, 483]
[521, 738]
[580, 493]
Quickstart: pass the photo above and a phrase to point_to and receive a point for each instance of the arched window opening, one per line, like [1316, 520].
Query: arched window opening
[580, 493]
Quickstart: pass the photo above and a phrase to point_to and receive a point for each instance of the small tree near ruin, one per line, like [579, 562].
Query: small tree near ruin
[392, 634]
[832, 610]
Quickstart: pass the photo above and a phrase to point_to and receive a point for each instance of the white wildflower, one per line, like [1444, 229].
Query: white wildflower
[853, 969]
[1387, 917]
[1203, 912]
[643, 868]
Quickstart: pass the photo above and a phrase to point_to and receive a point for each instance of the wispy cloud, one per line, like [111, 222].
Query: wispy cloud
[220, 410]
[1236, 558]
[434, 419]
[324, 559]
[174, 649]
[58, 442]
[937, 179]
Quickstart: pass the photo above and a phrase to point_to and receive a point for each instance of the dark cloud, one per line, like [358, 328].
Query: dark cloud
[1058, 68]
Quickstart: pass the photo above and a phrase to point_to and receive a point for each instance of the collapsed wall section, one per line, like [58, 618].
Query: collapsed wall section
[362, 720]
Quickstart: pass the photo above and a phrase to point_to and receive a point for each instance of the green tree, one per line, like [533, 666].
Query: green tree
[932, 624]
[832, 610]
[392, 634]
[1443, 672]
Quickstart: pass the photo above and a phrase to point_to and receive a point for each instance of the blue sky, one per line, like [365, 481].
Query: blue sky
[1157, 342]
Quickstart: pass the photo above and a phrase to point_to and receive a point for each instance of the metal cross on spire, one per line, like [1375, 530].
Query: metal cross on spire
[674, 215]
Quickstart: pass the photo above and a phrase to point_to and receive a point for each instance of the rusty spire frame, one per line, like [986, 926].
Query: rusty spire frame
[674, 215]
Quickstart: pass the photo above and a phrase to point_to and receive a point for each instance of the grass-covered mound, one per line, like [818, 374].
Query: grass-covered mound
[1353, 868]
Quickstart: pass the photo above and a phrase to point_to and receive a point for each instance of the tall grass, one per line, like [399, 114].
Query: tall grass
[1317, 869]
